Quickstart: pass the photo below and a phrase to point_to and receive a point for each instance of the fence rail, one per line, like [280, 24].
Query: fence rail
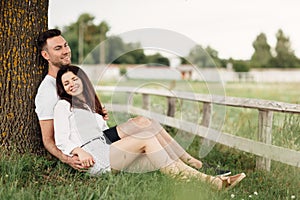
[263, 148]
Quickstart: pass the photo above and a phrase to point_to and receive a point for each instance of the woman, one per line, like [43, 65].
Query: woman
[80, 130]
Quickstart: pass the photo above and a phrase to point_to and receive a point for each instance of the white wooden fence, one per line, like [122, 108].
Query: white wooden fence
[263, 148]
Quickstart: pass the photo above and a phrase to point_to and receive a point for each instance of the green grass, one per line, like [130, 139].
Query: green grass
[284, 92]
[32, 177]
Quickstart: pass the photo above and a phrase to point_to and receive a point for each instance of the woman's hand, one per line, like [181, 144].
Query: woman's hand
[85, 158]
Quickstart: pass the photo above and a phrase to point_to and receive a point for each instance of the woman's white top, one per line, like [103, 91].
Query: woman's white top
[75, 127]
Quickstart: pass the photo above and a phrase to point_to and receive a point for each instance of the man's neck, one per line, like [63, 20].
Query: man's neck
[52, 71]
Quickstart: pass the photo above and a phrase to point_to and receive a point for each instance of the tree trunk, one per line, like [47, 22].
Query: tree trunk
[21, 71]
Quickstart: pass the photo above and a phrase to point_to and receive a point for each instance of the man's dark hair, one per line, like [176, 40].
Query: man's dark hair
[42, 39]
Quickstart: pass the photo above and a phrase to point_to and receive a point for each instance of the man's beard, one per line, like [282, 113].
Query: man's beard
[60, 64]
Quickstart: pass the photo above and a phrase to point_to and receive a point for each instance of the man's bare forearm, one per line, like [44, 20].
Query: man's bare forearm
[52, 149]
[47, 128]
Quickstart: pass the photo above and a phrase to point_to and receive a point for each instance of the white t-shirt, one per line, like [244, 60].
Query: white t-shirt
[46, 98]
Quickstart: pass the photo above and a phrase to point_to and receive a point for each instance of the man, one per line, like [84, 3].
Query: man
[56, 51]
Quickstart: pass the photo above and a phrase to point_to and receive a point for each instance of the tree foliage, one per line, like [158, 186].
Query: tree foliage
[207, 57]
[83, 36]
[285, 56]
[157, 60]
[262, 56]
[201, 57]
[240, 65]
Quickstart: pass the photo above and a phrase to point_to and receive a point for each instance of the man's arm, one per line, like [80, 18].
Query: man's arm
[47, 129]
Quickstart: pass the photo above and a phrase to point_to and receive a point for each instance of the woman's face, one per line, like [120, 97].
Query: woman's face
[72, 84]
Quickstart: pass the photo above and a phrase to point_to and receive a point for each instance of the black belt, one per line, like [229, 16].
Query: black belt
[97, 138]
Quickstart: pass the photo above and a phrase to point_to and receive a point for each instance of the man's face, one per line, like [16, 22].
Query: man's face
[57, 52]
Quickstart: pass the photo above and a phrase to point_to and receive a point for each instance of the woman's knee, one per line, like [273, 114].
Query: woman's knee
[141, 121]
[139, 127]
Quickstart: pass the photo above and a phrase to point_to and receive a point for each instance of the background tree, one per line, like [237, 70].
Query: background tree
[115, 48]
[240, 65]
[198, 56]
[122, 53]
[262, 52]
[104, 28]
[132, 57]
[83, 36]
[207, 57]
[157, 60]
[21, 71]
[285, 57]
[214, 56]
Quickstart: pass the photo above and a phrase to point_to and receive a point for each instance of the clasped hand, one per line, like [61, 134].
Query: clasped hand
[86, 159]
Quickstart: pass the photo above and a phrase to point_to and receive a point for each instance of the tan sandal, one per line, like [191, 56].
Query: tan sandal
[234, 180]
[228, 182]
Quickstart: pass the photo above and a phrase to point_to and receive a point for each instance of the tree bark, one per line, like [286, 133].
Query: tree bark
[21, 71]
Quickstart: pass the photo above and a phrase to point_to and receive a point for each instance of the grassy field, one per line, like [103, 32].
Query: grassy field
[31, 177]
[285, 92]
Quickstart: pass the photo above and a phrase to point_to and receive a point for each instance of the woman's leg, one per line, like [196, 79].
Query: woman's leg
[178, 168]
[124, 152]
[145, 154]
[170, 143]
[144, 127]
[127, 151]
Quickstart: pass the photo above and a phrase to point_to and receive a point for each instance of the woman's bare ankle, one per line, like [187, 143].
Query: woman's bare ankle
[193, 162]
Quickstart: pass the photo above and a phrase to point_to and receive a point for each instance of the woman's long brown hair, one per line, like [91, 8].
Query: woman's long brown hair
[89, 93]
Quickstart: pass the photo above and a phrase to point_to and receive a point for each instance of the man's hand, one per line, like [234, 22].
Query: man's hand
[47, 128]
[74, 162]
[105, 113]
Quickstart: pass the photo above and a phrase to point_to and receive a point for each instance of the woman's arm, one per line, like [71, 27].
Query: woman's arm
[86, 158]
[62, 127]
[62, 114]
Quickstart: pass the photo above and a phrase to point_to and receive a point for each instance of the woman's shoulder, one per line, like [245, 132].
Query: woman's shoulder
[62, 104]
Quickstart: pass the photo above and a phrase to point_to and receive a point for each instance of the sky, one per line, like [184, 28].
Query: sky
[228, 26]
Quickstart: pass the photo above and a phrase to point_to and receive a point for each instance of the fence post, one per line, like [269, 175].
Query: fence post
[265, 120]
[206, 144]
[206, 114]
[171, 101]
[146, 102]
[129, 97]
[171, 106]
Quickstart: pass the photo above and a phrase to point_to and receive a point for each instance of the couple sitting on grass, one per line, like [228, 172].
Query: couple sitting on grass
[83, 138]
